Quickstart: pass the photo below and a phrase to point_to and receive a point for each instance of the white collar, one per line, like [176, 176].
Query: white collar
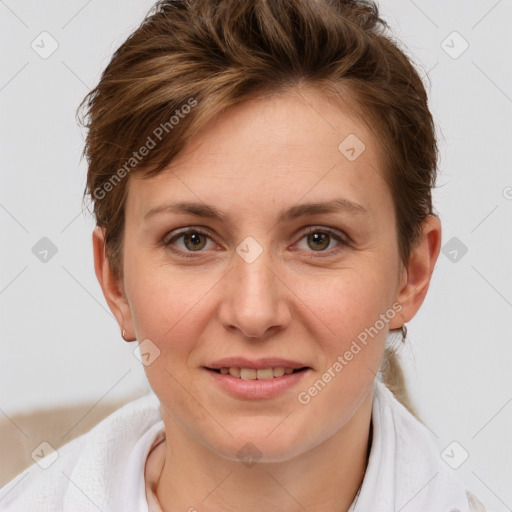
[405, 470]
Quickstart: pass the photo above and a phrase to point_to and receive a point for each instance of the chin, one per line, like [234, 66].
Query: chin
[259, 448]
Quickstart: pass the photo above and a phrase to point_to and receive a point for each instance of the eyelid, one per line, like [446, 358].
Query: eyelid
[189, 229]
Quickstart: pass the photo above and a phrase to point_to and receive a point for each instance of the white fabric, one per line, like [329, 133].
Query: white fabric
[405, 471]
[103, 470]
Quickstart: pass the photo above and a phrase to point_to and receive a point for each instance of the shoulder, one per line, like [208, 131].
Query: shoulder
[87, 463]
[414, 451]
[42, 485]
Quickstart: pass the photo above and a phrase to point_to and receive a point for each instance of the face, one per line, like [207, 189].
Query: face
[252, 272]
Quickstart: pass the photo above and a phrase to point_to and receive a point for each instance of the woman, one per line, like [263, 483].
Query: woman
[261, 175]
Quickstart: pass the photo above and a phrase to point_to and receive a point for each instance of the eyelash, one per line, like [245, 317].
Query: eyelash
[199, 231]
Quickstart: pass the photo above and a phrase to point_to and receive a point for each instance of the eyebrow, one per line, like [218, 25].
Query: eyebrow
[301, 210]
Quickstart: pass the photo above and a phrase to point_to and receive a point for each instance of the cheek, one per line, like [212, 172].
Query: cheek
[346, 301]
[169, 308]
[163, 307]
[351, 336]
[347, 311]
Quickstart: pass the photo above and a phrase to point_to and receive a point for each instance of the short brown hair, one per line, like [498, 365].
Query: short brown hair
[213, 54]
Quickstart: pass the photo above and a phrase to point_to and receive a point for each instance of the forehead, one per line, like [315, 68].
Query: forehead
[272, 150]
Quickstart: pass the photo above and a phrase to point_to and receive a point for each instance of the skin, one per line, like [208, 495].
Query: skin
[300, 299]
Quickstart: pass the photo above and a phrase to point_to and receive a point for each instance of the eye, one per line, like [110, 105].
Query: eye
[319, 239]
[193, 240]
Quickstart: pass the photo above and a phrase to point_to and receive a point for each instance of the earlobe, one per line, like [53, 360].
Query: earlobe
[420, 268]
[110, 284]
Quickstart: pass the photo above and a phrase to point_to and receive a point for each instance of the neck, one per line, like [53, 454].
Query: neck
[324, 478]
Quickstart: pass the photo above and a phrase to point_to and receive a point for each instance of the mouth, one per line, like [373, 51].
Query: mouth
[257, 374]
[261, 378]
[256, 383]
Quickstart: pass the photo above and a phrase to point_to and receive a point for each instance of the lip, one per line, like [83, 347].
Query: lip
[256, 389]
[256, 364]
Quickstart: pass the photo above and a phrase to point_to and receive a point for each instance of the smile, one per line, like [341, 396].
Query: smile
[258, 374]
[251, 383]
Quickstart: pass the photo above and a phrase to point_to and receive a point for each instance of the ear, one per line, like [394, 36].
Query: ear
[416, 277]
[111, 285]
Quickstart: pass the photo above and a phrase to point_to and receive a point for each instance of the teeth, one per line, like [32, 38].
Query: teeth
[279, 372]
[248, 373]
[267, 373]
[235, 372]
[252, 374]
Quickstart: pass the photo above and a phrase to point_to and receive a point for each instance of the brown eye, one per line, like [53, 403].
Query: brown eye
[194, 241]
[189, 241]
[318, 241]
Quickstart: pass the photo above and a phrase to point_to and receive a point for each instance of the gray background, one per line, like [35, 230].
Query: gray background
[61, 345]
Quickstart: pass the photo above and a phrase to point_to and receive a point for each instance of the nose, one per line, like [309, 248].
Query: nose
[254, 298]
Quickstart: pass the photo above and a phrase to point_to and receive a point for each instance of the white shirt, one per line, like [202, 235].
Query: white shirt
[104, 469]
